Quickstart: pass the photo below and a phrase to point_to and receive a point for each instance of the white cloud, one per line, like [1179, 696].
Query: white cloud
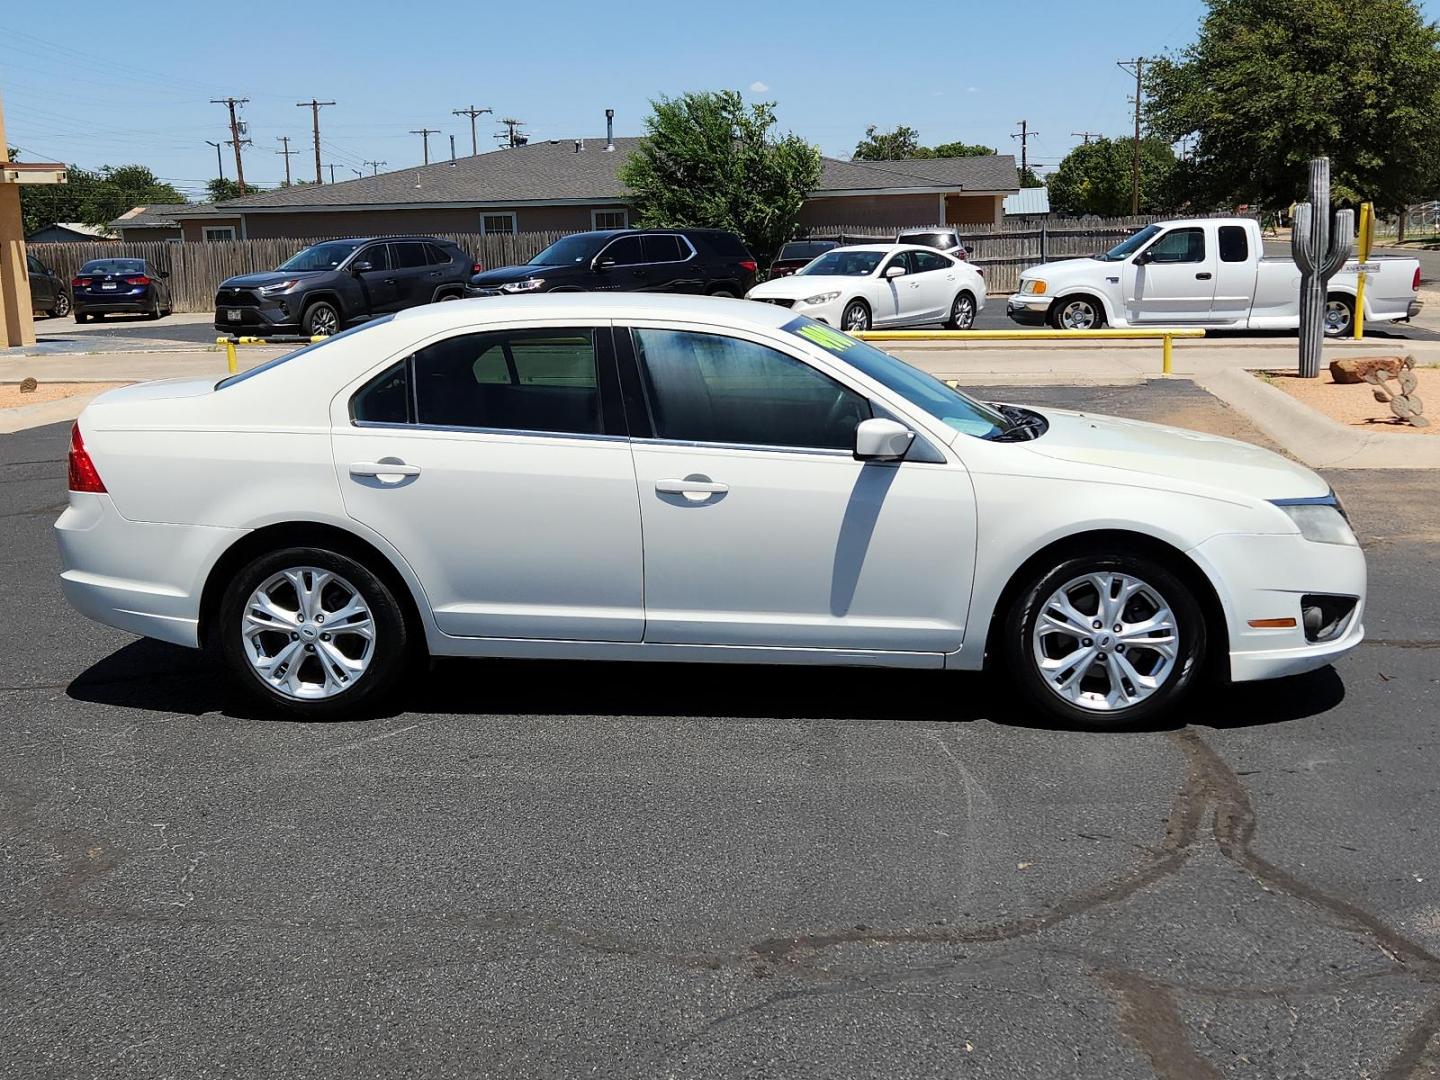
[972, 89]
[758, 87]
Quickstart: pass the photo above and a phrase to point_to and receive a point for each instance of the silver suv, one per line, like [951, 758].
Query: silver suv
[940, 237]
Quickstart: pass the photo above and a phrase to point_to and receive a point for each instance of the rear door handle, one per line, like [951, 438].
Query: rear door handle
[690, 487]
[1202, 277]
[383, 470]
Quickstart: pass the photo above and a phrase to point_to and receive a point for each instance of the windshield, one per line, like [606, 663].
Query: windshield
[842, 263]
[326, 256]
[571, 250]
[1130, 245]
[113, 266]
[957, 410]
[805, 249]
[369, 324]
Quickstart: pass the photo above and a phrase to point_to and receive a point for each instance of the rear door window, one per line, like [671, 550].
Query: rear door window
[663, 248]
[410, 255]
[927, 260]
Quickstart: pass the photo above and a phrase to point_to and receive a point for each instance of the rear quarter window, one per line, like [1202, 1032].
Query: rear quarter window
[727, 244]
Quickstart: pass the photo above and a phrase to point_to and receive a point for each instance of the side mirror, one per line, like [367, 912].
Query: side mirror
[603, 263]
[1143, 258]
[164, 273]
[882, 440]
[361, 267]
[894, 271]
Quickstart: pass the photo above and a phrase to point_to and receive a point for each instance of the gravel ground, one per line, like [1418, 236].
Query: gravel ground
[1354, 404]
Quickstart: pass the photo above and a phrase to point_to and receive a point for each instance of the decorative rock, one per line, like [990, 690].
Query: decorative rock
[28, 385]
[1353, 369]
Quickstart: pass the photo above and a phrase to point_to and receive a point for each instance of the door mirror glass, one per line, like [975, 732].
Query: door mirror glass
[882, 440]
[894, 270]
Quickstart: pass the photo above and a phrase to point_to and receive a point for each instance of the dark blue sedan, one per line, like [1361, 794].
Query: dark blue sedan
[112, 286]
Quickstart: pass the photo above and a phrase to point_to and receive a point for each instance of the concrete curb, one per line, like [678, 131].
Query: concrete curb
[46, 412]
[1315, 439]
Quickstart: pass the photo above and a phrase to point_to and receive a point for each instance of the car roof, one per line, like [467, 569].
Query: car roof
[378, 239]
[589, 306]
[884, 247]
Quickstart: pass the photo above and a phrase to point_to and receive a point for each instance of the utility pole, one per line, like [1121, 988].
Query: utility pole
[1138, 67]
[315, 107]
[374, 166]
[285, 141]
[425, 134]
[219, 161]
[331, 167]
[513, 137]
[235, 132]
[452, 147]
[1086, 135]
[357, 172]
[1024, 135]
[472, 112]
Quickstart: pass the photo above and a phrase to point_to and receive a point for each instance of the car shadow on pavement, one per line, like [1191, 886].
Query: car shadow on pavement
[156, 677]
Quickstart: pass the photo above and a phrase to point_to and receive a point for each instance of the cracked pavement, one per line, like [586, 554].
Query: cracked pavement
[544, 869]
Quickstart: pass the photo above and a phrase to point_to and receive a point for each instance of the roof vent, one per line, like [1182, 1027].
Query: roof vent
[579, 145]
[609, 131]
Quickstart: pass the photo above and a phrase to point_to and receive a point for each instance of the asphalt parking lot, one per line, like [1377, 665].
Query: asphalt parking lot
[543, 869]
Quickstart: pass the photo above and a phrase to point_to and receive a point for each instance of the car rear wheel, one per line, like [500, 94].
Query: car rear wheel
[312, 632]
[962, 313]
[1077, 313]
[81, 317]
[154, 312]
[62, 306]
[856, 316]
[1105, 641]
[321, 319]
[728, 294]
[1339, 314]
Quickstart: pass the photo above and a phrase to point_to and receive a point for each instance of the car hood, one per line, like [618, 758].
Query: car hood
[1174, 454]
[1066, 269]
[799, 286]
[502, 274]
[268, 277]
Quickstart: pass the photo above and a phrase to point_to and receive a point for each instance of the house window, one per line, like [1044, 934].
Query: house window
[610, 219]
[219, 232]
[497, 224]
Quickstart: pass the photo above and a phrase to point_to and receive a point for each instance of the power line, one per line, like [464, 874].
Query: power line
[1138, 66]
[472, 112]
[315, 107]
[425, 134]
[287, 152]
[375, 166]
[236, 130]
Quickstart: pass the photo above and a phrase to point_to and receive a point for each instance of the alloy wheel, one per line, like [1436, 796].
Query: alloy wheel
[963, 313]
[323, 322]
[1078, 315]
[1105, 641]
[856, 318]
[1337, 317]
[308, 633]
[62, 306]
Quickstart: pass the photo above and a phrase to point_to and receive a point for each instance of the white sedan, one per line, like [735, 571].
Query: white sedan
[641, 477]
[880, 285]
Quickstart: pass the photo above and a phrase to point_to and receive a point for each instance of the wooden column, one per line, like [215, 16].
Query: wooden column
[17, 322]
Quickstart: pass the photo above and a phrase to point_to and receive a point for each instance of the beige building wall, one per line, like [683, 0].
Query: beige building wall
[302, 224]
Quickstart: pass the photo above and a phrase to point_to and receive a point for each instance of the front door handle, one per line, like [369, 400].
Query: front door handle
[690, 486]
[1205, 276]
[389, 471]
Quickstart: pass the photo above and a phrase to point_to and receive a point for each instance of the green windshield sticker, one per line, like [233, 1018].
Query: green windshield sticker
[822, 335]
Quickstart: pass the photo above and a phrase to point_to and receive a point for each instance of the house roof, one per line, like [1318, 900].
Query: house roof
[98, 232]
[153, 216]
[1030, 200]
[554, 171]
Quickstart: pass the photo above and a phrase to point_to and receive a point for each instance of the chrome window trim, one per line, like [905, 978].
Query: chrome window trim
[641, 237]
[812, 451]
[458, 429]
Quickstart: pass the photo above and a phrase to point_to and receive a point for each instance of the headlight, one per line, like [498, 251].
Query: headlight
[280, 286]
[1320, 520]
[528, 285]
[1032, 287]
[820, 298]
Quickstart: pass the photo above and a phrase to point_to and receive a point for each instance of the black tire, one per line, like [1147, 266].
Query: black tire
[1339, 315]
[62, 306]
[81, 317]
[1062, 319]
[387, 662]
[443, 297]
[154, 312]
[723, 293]
[962, 312]
[1019, 644]
[321, 319]
[856, 316]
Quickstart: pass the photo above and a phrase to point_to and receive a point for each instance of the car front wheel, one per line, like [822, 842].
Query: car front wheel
[1077, 313]
[856, 316]
[321, 319]
[312, 633]
[1106, 641]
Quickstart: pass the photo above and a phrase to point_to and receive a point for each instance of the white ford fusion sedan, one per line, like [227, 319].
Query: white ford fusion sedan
[643, 477]
[880, 285]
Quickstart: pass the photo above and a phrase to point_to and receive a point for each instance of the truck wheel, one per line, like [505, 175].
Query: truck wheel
[1077, 313]
[1339, 314]
[321, 319]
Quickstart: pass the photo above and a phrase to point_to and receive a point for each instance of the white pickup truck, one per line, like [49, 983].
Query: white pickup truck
[1209, 272]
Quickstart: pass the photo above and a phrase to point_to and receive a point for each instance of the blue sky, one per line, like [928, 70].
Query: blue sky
[959, 70]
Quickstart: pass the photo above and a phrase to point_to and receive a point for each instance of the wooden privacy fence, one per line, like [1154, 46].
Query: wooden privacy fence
[198, 267]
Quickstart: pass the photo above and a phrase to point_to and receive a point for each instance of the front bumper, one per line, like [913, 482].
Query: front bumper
[143, 577]
[252, 311]
[1028, 310]
[1261, 577]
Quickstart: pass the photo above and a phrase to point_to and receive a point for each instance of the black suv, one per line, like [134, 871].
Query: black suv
[707, 261]
[339, 282]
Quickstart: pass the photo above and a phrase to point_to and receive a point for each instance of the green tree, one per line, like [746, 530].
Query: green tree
[1029, 178]
[1095, 178]
[904, 142]
[1269, 84]
[709, 161]
[95, 198]
[222, 188]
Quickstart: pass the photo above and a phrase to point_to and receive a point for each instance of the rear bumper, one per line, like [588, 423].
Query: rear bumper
[107, 305]
[143, 577]
[1414, 309]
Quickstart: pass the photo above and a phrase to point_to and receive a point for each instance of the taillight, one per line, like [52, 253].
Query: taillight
[749, 265]
[79, 281]
[83, 474]
[1415, 281]
[138, 279]
[477, 268]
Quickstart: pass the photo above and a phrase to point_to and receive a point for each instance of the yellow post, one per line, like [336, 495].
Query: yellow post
[231, 361]
[1167, 357]
[1367, 232]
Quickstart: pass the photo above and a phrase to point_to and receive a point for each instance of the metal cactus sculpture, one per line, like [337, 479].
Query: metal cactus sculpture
[1319, 252]
[1405, 404]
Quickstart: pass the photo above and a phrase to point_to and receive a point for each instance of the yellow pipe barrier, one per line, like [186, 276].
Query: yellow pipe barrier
[1165, 336]
[233, 362]
[1364, 239]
